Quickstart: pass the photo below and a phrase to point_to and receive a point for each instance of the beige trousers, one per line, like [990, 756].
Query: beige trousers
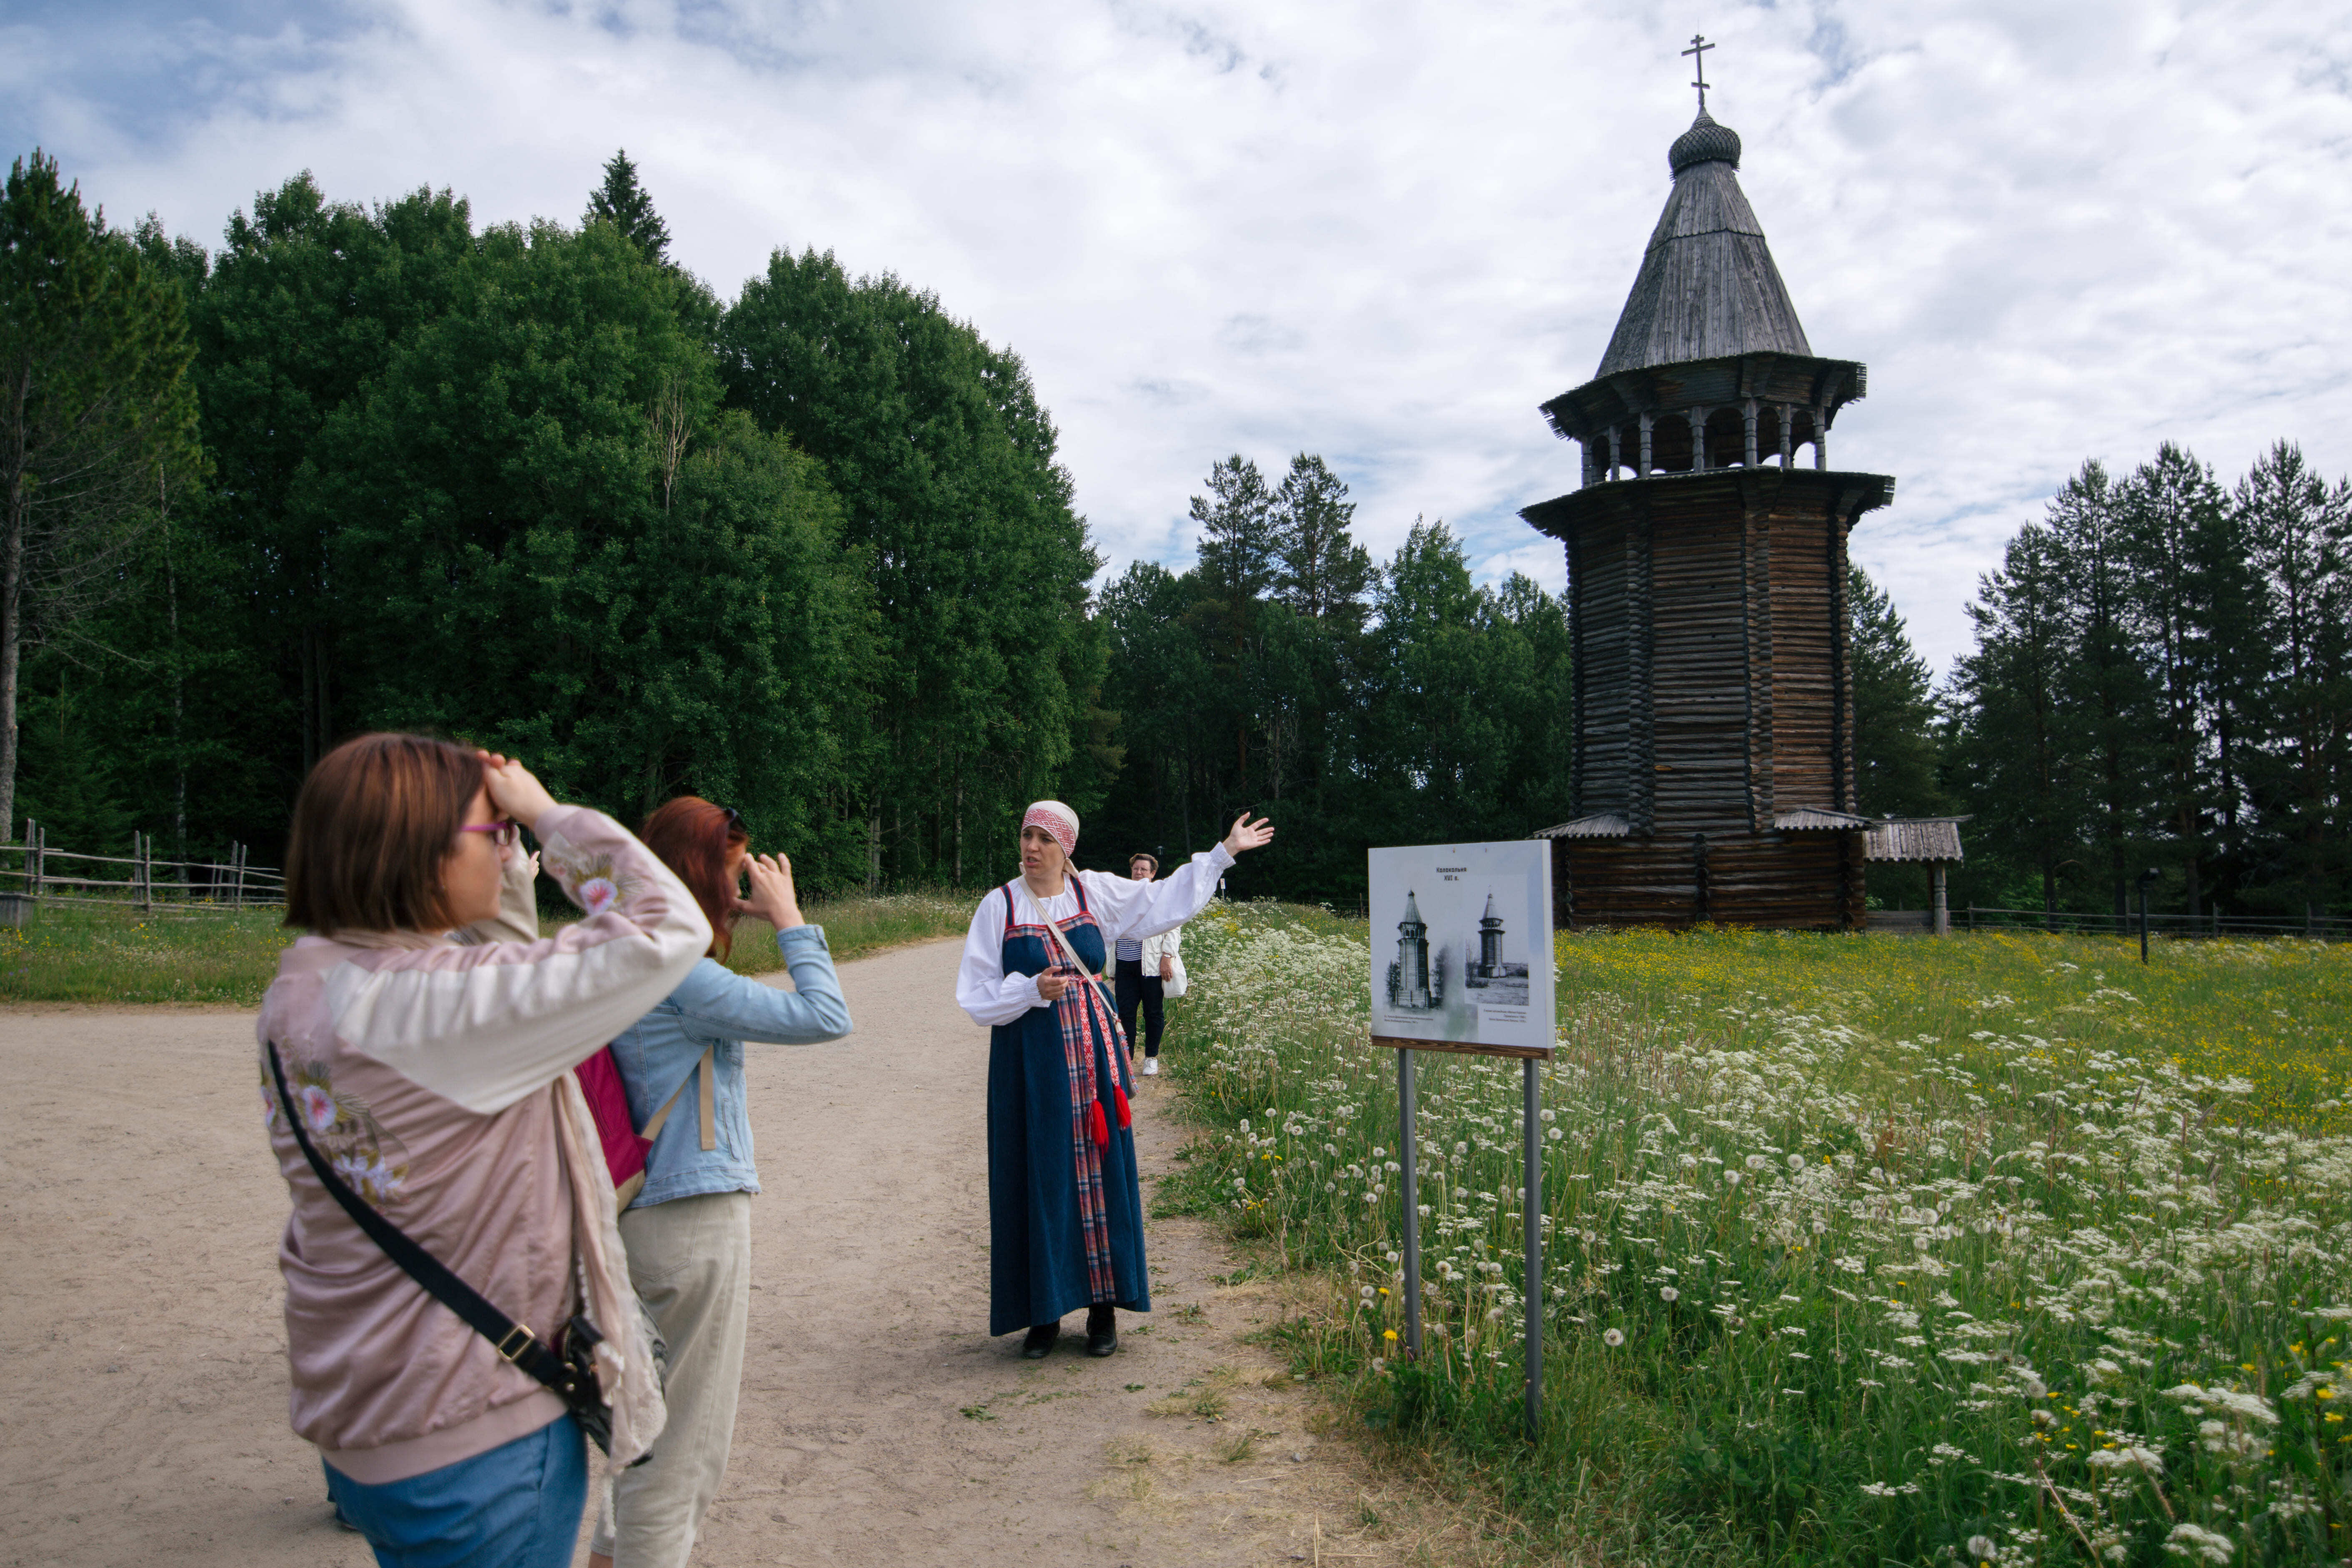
[690, 1260]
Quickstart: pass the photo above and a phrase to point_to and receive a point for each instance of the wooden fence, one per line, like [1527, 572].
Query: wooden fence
[32, 869]
[2324, 928]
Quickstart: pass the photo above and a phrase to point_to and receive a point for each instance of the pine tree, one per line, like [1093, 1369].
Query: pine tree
[2298, 533]
[1893, 708]
[1325, 573]
[624, 204]
[2174, 521]
[2109, 699]
[2011, 740]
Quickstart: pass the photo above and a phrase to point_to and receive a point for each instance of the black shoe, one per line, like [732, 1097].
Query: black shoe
[1102, 1331]
[1040, 1343]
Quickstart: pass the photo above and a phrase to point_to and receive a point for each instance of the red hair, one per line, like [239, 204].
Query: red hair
[693, 839]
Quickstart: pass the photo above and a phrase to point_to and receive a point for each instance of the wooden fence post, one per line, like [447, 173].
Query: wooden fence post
[236, 855]
[34, 839]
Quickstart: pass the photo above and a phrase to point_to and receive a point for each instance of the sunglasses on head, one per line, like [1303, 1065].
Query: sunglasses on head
[502, 834]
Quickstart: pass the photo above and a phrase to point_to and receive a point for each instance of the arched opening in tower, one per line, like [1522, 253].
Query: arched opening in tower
[1768, 434]
[1670, 444]
[1802, 432]
[1726, 439]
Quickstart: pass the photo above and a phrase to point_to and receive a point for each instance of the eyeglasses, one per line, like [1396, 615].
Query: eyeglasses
[503, 833]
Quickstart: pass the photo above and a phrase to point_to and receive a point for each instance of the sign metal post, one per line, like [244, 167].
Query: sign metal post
[1473, 973]
[1530, 1204]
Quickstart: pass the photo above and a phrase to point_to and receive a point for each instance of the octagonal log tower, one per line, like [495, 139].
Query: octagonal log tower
[1707, 570]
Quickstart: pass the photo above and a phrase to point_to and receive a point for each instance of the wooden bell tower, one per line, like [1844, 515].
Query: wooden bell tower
[1706, 568]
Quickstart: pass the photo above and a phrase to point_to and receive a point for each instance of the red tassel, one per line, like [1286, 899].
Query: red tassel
[1102, 1132]
[1119, 1095]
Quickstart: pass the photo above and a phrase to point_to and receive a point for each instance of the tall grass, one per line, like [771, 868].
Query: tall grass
[855, 927]
[95, 952]
[1859, 1251]
[107, 955]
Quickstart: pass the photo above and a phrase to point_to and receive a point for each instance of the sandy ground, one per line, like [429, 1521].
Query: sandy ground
[142, 1351]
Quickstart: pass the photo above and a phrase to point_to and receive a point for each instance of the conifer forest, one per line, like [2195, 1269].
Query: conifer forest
[811, 552]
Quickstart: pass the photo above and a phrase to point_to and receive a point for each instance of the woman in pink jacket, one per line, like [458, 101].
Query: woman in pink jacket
[425, 1033]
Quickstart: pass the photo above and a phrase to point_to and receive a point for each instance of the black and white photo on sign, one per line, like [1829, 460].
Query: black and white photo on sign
[1461, 942]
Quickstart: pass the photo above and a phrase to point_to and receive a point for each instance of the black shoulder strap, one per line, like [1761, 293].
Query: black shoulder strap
[515, 1341]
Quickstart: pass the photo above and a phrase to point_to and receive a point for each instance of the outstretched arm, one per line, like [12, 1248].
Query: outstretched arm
[1126, 908]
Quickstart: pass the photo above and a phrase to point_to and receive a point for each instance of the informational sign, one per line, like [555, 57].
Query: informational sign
[1461, 951]
[1462, 961]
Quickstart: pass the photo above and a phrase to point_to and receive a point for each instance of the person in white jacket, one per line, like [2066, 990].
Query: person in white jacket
[1146, 964]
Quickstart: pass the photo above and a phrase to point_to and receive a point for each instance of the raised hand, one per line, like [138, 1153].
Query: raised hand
[772, 898]
[1247, 834]
[514, 792]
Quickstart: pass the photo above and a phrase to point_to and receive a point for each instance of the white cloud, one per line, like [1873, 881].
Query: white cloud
[1383, 233]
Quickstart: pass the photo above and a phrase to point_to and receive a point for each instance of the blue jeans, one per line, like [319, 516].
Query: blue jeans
[517, 1506]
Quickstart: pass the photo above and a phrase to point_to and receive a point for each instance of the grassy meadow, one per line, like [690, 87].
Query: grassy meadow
[103, 954]
[1860, 1251]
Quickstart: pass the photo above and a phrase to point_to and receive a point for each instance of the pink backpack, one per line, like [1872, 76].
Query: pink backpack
[625, 1146]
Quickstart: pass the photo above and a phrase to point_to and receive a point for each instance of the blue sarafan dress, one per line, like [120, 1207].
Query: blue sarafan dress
[1064, 1202]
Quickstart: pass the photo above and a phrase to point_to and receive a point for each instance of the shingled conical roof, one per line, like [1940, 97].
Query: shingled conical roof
[1707, 288]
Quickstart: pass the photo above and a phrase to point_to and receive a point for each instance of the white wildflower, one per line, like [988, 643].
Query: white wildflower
[2147, 1459]
[2196, 1542]
[1613, 1338]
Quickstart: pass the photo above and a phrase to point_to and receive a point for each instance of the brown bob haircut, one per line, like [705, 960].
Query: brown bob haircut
[693, 839]
[374, 823]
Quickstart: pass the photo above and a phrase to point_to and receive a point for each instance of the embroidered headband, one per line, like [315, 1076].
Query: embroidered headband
[1058, 821]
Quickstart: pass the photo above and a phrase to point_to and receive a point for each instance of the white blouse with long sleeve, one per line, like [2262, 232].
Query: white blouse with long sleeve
[1119, 906]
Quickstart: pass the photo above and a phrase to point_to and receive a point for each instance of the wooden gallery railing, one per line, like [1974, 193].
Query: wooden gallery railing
[33, 870]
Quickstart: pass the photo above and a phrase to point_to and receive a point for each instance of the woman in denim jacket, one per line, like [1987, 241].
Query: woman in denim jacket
[689, 1231]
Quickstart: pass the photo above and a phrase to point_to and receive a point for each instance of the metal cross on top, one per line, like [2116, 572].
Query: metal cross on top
[1697, 51]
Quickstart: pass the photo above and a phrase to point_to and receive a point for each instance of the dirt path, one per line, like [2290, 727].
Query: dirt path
[142, 1352]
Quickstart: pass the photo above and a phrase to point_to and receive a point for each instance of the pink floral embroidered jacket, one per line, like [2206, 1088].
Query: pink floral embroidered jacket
[434, 1073]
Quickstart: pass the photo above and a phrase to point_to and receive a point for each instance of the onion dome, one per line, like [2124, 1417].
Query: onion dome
[1703, 143]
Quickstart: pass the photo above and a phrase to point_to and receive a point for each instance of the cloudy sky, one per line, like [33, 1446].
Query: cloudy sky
[1381, 232]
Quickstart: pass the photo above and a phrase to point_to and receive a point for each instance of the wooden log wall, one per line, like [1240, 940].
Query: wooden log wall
[1805, 676]
[1791, 880]
[1697, 695]
[1712, 690]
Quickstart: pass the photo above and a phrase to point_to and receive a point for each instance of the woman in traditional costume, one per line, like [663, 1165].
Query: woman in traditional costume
[1064, 1208]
